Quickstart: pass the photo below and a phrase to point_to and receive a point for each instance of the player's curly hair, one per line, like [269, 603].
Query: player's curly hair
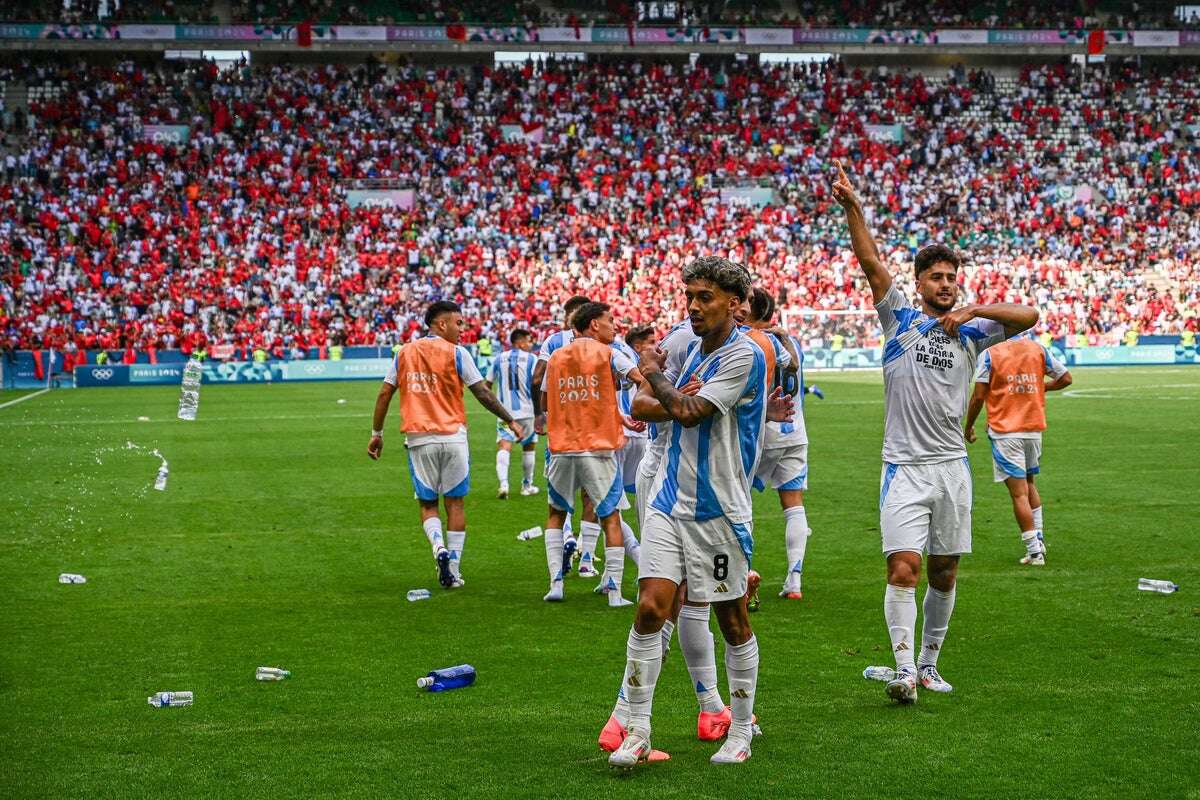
[587, 312]
[935, 254]
[729, 275]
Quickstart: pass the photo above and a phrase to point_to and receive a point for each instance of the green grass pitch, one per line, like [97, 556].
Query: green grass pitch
[278, 542]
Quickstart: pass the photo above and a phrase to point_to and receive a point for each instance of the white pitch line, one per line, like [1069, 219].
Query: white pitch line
[23, 398]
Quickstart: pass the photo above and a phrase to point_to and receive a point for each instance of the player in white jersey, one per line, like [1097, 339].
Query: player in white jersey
[925, 495]
[698, 520]
[511, 378]
[590, 525]
[784, 464]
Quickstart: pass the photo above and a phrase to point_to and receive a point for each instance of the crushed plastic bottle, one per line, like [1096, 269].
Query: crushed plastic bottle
[879, 673]
[271, 674]
[189, 389]
[71, 577]
[529, 533]
[1162, 587]
[171, 699]
[160, 480]
[418, 594]
[442, 680]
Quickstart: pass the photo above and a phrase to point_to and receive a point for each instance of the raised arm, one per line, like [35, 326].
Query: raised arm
[865, 249]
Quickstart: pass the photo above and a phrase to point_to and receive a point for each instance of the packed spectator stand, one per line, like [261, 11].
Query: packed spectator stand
[1081, 194]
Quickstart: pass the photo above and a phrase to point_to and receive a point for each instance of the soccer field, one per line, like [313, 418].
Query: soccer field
[278, 542]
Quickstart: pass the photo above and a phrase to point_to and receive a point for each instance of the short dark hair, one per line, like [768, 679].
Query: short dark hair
[762, 305]
[935, 254]
[574, 303]
[728, 275]
[586, 313]
[519, 333]
[438, 308]
[636, 336]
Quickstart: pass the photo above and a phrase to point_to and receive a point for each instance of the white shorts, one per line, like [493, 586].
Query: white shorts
[504, 434]
[783, 468]
[440, 469]
[926, 508]
[630, 458]
[713, 556]
[1015, 458]
[596, 476]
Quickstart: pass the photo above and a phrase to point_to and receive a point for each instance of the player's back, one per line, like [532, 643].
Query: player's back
[1016, 398]
[581, 399]
[512, 372]
[430, 387]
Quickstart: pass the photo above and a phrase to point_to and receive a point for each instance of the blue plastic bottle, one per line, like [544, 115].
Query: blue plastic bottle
[441, 680]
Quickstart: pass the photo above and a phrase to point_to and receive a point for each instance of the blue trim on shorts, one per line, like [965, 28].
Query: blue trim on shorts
[888, 475]
[423, 491]
[1010, 469]
[758, 485]
[506, 435]
[462, 488]
[558, 501]
[609, 504]
[1033, 471]
[800, 482]
[745, 539]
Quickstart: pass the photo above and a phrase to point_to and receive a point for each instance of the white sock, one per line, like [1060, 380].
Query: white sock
[554, 554]
[643, 662]
[795, 534]
[900, 611]
[668, 629]
[433, 532]
[741, 667]
[527, 461]
[1037, 518]
[502, 457]
[621, 707]
[455, 541]
[633, 547]
[567, 530]
[589, 534]
[937, 609]
[700, 655]
[614, 569]
[1033, 545]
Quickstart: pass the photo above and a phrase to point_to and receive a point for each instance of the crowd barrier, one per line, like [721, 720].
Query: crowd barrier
[376, 368]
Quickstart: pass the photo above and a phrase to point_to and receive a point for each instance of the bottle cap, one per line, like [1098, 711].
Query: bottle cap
[423, 683]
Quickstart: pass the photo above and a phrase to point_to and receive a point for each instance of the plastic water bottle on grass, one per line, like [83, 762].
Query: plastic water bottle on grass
[160, 480]
[417, 594]
[529, 533]
[271, 674]
[189, 390]
[442, 680]
[879, 673]
[1162, 587]
[170, 699]
[71, 577]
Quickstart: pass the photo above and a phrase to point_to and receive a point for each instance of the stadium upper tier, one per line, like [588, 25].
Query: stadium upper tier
[529, 186]
[1062, 14]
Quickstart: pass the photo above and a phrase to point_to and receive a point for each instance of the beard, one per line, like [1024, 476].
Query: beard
[938, 305]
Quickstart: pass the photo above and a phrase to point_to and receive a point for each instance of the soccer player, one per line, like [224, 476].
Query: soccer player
[430, 374]
[784, 463]
[698, 521]
[589, 526]
[925, 496]
[579, 394]
[1011, 378]
[512, 378]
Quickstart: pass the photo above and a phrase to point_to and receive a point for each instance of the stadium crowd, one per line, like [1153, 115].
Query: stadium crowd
[894, 14]
[535, 183]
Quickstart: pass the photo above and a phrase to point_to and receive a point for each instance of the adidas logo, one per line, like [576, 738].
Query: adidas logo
[634, 678]
[721, 587]
[740, 694]
[900, 648]
[932, 646]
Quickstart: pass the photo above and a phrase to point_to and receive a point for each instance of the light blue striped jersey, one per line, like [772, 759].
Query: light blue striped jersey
[512, 381]
[787, 434]
[705, 472]
[926, 379]
[676, 344]
[553, 342]
[626, 389]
